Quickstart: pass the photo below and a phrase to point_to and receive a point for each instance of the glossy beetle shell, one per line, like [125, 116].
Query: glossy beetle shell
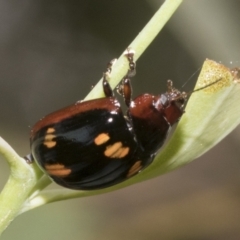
[92, 145]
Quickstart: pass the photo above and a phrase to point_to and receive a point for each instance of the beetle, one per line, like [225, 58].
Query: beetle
[92, 144]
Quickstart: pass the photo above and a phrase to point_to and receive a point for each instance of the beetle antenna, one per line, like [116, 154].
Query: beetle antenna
[191, 77]
[184, 95]
[206, 86]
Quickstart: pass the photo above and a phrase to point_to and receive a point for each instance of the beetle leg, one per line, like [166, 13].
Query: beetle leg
[106, 86]
[126, 91]
[125, 88]
[132, 64]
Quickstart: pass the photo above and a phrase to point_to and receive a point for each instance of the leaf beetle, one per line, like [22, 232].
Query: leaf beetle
[92, 145]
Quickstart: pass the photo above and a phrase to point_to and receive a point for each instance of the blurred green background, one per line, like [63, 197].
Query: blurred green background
[51, 52]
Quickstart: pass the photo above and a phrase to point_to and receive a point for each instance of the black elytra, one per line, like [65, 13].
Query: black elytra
[92, 145]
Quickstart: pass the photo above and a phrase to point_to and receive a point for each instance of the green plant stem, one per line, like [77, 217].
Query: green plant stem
[139, 45]
[21, 180]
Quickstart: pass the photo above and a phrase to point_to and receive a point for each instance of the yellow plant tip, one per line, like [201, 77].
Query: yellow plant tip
[215, 76]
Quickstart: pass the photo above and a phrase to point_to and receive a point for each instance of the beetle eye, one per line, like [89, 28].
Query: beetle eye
[180, 102]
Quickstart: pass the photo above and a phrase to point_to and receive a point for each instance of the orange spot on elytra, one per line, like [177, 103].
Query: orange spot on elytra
[101, 139]
[50, 144]
[48, 140]
[50, 130]
[136, 167]
[120, 153]
[111, 149]
[58, 170]
[116, 150]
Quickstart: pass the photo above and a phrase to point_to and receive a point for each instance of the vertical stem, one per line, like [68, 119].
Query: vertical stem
[139, 45]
